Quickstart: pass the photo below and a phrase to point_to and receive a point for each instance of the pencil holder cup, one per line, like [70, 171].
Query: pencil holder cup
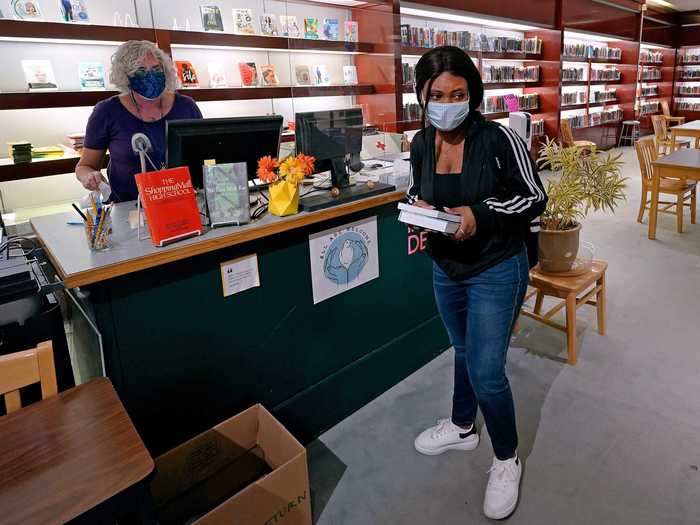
[99, 237]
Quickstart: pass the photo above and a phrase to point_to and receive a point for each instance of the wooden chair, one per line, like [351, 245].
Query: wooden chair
[567, 137]
[663, 140]
[26, 368]
[576, 291]
[667, 115]
[683, 190]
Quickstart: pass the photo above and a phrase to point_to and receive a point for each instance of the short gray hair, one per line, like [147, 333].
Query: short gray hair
[129, 57]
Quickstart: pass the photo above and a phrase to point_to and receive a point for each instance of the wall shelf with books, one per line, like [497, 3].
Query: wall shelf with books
[512, 58]
[656, 80]
[604, 69]
[686, 88]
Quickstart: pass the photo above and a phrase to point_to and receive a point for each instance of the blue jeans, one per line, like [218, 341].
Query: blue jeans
[479, 315]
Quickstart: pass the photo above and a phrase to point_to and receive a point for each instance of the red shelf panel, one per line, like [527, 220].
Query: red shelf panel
[52, 99]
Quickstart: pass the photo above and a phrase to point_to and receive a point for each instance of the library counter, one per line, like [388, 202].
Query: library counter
[184, 357]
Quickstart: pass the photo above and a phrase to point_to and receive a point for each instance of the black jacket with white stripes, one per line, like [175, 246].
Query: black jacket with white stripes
[499, 182]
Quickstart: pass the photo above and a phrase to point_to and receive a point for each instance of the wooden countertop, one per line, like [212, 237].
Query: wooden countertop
[64, 455]
[78, 266]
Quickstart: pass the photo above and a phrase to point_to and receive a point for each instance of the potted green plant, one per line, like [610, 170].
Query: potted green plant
[587, 180]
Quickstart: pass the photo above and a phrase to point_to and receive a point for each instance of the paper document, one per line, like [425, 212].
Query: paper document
[240, 275]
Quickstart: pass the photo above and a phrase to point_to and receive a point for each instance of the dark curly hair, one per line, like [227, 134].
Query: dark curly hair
[452, 60]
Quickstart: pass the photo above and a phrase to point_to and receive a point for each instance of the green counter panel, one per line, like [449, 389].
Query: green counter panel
[183, 357]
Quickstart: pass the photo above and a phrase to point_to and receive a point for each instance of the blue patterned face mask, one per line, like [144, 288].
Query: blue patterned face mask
[150, 84]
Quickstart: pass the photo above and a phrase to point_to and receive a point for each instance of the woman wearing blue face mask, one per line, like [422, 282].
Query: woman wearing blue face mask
[481, 171]
[146, 78]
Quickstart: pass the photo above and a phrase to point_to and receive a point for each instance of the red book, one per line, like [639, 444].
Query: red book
[170, 204]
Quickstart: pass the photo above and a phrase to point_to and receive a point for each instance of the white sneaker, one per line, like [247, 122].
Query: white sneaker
[446, 436]
[503, 488]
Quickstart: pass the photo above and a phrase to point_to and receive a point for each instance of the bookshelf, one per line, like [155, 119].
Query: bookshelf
[686, 90]
[599, 73]
[661, 60]
[492, 61]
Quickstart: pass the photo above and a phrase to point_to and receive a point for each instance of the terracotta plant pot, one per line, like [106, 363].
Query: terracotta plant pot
[558, 249]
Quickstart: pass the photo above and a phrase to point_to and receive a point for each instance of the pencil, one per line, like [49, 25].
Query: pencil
[79, 212]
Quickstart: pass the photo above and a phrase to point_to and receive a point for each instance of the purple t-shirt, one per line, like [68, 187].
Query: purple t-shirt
[111, 127]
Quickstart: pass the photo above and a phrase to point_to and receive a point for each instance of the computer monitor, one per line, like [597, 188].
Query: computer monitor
[240, 139]
[334, 138]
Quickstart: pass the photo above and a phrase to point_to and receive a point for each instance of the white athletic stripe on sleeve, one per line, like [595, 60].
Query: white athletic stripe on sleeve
[521, 156]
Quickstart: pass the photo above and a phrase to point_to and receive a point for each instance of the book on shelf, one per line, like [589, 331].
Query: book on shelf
[74, 11]
[429, 37]
[591, 51]
[408, 73]
[412, 112]
[170, 205]
[311, 28]
[650, 91]
[187, 74]
[609, 73]
[537, 128]
[39, 75]
[243, 21]
[572, 74]
[690, 74]
[331, 29]
[269, 75]
[303, 75]
[649, 107]
[689, 90]
[684, 105]
[321, 75]
[26, 10]
[290, 26]
[217, 75]
[351, 31]
[499, 103]
[691, 55]
[434, 220]
[226, 193]
[268, 25]
[499, 74]
[651, 73]
[76, 140]
[653, 57]
[604, 96]
[249, 73]
[92, 76]
[48, 152]
[211, 18]
[573, 98]
[350, 75]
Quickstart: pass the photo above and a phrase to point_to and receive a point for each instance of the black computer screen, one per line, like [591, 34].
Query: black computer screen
[226, 140]
[328, 135]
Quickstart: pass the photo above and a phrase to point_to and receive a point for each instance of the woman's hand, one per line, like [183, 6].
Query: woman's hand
[91, 180]
[468, 227]
[423, 204]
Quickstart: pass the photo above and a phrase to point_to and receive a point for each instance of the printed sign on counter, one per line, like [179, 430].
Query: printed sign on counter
[343, 258]
[240, 275]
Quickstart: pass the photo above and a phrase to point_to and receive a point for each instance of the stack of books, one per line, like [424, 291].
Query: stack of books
[47, 152]
[684, 105]
[76, 141]
[691, 74]
[653, 57]
[412, 111]
[20, 151]
[649, 108]
[691, 55]
[409, 73]
[689, 90]
[497, 104]
[590, 51]
[651, 73]
[433, 220]
[650, 91]
[570, 74]
[430, 37]
[605, 74]
[538, 128]
[573, 98]
[605, 96]
[511, 74]
[577, 121]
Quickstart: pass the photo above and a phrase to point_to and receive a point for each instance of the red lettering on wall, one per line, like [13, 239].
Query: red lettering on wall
[416, 241]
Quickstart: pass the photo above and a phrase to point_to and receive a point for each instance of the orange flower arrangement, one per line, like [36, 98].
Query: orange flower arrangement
[292, 169]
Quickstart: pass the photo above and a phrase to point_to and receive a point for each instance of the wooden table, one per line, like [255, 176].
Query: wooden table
[67, 454]
[683, 164]
[576, 292]
[689, 129]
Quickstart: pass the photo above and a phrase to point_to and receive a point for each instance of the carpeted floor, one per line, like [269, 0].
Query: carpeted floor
[613, 440]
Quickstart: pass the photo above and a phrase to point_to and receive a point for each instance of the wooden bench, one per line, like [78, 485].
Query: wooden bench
[575, 292]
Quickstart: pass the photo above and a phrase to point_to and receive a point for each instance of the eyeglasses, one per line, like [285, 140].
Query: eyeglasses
[143, 71]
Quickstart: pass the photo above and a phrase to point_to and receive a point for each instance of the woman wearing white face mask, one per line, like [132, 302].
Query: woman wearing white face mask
[482, 171]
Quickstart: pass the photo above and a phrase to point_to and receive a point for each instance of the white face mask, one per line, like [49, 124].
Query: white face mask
[447, 116]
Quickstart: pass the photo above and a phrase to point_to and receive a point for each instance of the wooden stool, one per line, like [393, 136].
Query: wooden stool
[576, 291]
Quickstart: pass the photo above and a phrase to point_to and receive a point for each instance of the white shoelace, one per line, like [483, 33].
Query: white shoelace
[504, 473]
[443, 427]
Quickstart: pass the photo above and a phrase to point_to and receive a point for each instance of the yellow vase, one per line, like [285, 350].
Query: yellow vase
[284, 198]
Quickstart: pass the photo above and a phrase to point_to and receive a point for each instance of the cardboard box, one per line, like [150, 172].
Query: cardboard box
[248, 470]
